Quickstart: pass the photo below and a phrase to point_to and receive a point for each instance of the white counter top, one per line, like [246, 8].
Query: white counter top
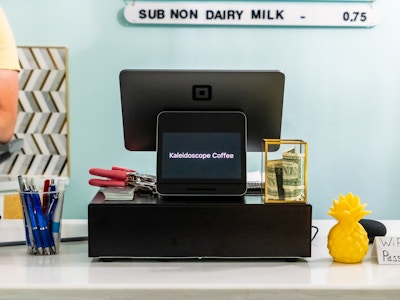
[73, 275]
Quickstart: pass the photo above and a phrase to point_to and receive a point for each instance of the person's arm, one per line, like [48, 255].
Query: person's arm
[9, 67]
[8, 104]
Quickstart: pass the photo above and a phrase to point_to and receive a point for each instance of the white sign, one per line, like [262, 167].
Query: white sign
[337, 14]
[387, 250]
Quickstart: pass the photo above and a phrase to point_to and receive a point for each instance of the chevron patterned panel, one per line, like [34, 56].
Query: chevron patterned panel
[42, 115]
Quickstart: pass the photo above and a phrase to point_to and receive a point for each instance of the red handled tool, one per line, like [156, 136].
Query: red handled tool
[120, 177]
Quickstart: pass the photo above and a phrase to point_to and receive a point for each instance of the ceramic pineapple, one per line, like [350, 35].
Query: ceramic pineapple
[348, 240]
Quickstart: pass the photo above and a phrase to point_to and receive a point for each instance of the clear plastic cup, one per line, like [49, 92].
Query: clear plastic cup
[42, 212]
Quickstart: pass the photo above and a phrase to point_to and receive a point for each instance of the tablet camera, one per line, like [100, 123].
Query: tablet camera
[201, 92]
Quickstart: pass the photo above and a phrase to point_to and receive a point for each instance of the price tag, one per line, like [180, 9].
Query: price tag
[386, 250]
[269, 13]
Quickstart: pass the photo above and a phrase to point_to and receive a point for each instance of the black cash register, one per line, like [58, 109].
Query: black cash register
[202, 124]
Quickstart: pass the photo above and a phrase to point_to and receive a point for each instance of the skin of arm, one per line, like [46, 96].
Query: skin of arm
[8, 103]
[9, 81]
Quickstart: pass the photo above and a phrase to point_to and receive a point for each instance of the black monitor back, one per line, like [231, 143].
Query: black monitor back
[145, 93]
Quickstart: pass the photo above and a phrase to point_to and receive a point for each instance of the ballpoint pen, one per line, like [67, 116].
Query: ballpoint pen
[28, 226]
[45, 203]
[35, 230]
[40, 221]
[56, 217]
[53, 198]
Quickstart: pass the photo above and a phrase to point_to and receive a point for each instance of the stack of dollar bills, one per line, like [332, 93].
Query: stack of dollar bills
[286, 176]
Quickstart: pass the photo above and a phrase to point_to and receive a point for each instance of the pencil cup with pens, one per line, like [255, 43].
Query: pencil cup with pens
[42, 211]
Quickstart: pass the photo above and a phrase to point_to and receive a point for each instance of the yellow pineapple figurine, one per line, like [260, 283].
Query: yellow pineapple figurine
[348, 240]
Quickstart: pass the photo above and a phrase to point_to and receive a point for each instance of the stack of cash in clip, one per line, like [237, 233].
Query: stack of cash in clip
[286, 176]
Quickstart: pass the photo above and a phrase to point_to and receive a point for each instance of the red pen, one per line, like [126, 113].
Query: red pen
[45, 201]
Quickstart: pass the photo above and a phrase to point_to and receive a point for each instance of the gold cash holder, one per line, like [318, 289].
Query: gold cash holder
[286, 171]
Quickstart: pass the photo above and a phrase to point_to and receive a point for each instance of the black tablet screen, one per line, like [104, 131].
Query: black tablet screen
[201, 153]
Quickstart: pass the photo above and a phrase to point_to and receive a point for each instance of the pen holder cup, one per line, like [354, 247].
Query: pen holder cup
[42, 214]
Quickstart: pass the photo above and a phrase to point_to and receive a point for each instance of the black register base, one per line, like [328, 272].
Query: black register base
[152, 227]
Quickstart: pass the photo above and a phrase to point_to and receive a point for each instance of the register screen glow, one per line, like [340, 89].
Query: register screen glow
[201, 155]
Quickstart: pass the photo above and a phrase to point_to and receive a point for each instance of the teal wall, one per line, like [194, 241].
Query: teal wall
[342, 90]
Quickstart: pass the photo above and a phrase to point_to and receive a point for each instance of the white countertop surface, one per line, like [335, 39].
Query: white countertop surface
[73, 275]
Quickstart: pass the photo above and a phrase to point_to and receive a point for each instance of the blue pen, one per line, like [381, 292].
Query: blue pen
[43, 230]
[53, 203]
[24, 212]
[35, 230]
[27, 222]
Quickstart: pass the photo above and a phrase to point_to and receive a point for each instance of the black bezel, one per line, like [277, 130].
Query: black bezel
[201, 122]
